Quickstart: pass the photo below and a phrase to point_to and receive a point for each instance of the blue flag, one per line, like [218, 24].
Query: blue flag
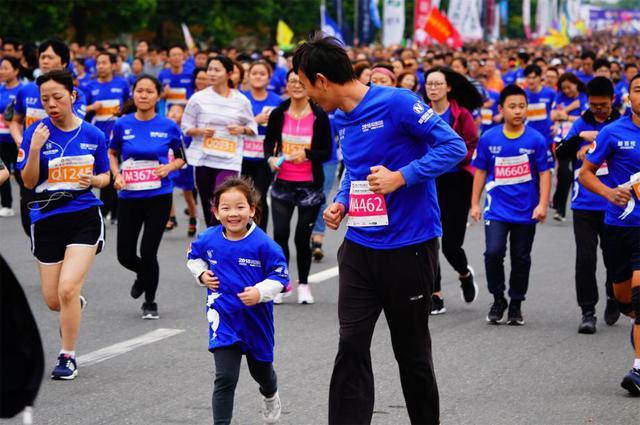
[331, 28]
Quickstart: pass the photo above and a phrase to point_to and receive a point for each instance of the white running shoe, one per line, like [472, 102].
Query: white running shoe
[304, 294]
[7, 212]
[278, 299]
[271, 409]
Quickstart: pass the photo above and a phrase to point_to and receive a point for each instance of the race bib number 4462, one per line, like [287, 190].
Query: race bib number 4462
[365, 207]
[512, 170]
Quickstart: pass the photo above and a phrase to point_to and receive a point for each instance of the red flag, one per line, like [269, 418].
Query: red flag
[420, 15]
[440, 29]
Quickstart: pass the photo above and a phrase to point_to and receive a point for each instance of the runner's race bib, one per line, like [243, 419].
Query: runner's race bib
[486, 115]
[366, 208]
[221, 145]
[108, 110]
[64, 172]
[253, 147]
[537, 112]
[267, 110]
[291, 143]
[564, 128]
[140, 175]
[510, 170]
[32, 115]
[177, 95]
[635, 184]
[603, 170]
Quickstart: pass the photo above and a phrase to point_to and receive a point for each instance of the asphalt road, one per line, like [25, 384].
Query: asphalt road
[542, 373]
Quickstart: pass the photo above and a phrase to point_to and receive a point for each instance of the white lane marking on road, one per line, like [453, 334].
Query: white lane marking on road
[324, 275]
[114, 350]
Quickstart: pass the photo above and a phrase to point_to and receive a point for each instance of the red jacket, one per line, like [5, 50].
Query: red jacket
[462, 123]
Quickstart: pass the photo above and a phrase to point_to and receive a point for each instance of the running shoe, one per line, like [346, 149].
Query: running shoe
[316, 251]
[558, 217]
[611, 312]
[631, 382]
[136, 290]
[304, 294]
[278, 299]
[497, 311]
[514, 317]
[271, 409]
[83, 302]
[7, 212]
[150, 311]
[468, 287]
[288, 290]
[171, 224]
[437, 305]
[588, 325]
[193, 227]
[66, 368]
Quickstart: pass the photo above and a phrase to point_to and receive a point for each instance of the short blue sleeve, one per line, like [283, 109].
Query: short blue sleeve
[23, 152]
[480, 158]
[115, 142]
[101, 161]
[601, 148]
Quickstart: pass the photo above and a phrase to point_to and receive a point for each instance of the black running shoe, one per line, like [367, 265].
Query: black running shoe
[150, 311]
[437, 305]
[136, 290]
[497, 311]
[631, 382]
[514, 317]
[611, 312]
[588, 325]
[468, 286]
[193, 227]
[316, 251]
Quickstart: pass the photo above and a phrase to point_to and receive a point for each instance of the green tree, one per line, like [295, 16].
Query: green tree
[34, 21]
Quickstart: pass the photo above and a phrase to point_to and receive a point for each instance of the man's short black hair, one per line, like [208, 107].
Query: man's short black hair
[630, 65]
[533, 69]
[111, 56]
[524, 57]
[601, 62]
[600, 86]
[12, 41]
[511, 90]
[173, 46]
[324, 55]
[588, 54]
[58, 47]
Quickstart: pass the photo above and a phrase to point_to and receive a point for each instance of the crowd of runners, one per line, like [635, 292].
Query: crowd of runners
[419, 141]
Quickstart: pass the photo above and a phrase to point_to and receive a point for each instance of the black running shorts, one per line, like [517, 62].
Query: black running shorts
[623, 245]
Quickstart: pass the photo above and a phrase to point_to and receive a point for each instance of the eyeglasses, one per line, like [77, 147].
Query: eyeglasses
[435, 85]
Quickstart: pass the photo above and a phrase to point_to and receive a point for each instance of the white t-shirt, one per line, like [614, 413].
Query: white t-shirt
[207, 108]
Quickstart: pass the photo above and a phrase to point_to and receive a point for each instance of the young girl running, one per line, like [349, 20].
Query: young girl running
[243, 270]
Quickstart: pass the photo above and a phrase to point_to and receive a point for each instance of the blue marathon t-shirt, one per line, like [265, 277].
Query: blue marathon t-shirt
[144, 146]
[239, 264]
[581, 197]
[619, 145]
[6, 97]
[62, 158]
[488, 113]
[29, 105]
[513, 167]
[396, 129]
[181, 86]
[539, 111]
[112, 95]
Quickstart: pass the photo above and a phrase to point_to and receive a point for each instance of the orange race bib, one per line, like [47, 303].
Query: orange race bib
[108, 110]
[33, 115]
[64, 172]
[221, 145]
[291, 143]
[537, 112]
[177, 95]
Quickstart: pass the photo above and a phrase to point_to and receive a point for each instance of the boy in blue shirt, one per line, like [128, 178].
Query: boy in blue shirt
[539, 99]
[618, 145]
[588, 208]
[514, 162]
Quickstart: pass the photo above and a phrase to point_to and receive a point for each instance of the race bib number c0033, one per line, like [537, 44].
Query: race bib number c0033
[366, 208]
[510, 170]
[140, 175]
[220, 145]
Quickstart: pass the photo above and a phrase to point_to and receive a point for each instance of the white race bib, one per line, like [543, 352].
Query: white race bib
[140, 175]
[510, 170]
[64, 172]
[537, 112]
[108, 110]
[253, 147]
[177, 95]
[291, 143]
[222, 145]
[365, 207]
[486, 115]
[32, 115]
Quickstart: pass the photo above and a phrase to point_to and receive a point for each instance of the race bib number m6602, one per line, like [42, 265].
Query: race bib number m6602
[365, 207]
[512, 170]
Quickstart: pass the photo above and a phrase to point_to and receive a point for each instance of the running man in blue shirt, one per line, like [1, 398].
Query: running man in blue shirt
[618, 144]
[514, 162]
[394, 147]
[588, 208]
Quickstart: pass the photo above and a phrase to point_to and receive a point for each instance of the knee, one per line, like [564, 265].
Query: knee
[622, 293]
[494, 253]
[635, 303]
[53, 303]
[68, 291]
[127, 259]
[225, 380]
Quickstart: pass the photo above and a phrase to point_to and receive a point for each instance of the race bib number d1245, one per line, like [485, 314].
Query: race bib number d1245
[140, 175]
[64, 172]
[512, 170]
[365, 207]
